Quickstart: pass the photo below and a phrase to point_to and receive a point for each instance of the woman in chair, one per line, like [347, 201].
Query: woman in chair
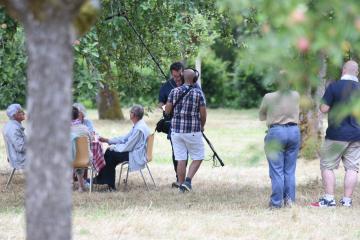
[79, 130]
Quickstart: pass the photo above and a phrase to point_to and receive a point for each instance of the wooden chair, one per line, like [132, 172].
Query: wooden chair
[8, 159]
[82, 157]
[149, 153]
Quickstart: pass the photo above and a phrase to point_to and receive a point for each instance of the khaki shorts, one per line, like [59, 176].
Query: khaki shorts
[334, 151]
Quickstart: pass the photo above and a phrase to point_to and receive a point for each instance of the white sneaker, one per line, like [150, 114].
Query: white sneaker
[86, 185]
[346, 204]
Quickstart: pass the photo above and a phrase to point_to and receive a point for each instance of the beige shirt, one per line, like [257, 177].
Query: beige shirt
[280, 107]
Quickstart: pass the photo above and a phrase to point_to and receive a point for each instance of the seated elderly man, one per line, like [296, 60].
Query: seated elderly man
[79, 130]
[131, 147]
[14, 136]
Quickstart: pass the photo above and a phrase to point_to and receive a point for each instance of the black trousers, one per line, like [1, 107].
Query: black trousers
[173, 158]
[107, 174]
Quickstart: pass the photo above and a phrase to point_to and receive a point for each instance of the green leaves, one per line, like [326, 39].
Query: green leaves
[12, 62]
[292, 34]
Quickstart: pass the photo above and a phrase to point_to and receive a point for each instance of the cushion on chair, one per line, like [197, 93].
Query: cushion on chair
[149, 147]
[82, 153]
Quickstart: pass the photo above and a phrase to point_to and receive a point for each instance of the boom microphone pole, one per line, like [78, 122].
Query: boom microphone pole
[123, 14]
[215, 155]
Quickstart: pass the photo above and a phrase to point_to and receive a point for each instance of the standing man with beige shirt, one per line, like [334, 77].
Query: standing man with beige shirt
[280, 109]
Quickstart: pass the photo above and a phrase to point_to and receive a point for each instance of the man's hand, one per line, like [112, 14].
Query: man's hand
[324, 108]
[101, 139]
[161, 105]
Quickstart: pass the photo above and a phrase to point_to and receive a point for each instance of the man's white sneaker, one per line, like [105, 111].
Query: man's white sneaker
[346, 204]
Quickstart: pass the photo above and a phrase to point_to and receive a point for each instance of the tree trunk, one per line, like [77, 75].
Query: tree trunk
[48, 190]
[49, 32]
[108, 98]
[312, 119]
[109, 104]
[198, 68]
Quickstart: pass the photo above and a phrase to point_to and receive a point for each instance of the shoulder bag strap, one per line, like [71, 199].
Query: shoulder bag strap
[180, 98]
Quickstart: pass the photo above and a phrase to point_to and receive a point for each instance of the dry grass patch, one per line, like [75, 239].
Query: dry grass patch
[227, 203]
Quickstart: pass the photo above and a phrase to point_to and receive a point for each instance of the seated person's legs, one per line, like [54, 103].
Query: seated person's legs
[107, 174]
[79, 174]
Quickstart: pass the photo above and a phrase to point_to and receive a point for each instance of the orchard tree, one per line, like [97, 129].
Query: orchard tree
[12, 61]
[309, 40]
[50, 27]
[171, 30]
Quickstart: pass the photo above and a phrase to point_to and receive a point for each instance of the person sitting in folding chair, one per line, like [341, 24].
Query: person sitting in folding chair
[131, 148]
[78, 130]
[14, 135]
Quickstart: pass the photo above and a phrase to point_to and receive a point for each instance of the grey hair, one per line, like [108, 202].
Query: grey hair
[138, 111]
[12, 110]
[81, 108]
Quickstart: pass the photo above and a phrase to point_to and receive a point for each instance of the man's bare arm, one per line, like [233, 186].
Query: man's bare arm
[203, 115]
[168, 107]
[324, 108]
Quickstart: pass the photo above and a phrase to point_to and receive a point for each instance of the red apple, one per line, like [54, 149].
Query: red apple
[357, 24]
[298, 15]
[303, 44]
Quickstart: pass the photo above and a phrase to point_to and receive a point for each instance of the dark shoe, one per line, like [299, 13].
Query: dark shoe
[110, 189]
[274, 207]
[185, 187]
[175, 185]
[323, 203]
[288, 203]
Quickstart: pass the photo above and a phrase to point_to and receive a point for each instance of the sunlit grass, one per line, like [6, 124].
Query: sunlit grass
[227, 202]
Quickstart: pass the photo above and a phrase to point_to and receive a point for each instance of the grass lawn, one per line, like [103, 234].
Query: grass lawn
[227, 202]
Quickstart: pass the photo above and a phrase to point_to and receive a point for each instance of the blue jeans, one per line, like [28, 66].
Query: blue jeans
[281, 148]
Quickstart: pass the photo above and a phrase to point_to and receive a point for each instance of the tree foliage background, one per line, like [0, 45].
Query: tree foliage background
[243, 45]
[12, 61]
[172, 30]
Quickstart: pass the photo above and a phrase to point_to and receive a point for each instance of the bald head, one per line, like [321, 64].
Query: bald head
[351, 67]
[189, 75]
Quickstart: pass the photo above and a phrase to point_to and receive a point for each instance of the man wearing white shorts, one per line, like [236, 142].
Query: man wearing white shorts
[187, 124]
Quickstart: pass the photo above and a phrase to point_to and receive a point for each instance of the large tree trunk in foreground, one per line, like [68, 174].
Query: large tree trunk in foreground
[49, 34]
[48, 192]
